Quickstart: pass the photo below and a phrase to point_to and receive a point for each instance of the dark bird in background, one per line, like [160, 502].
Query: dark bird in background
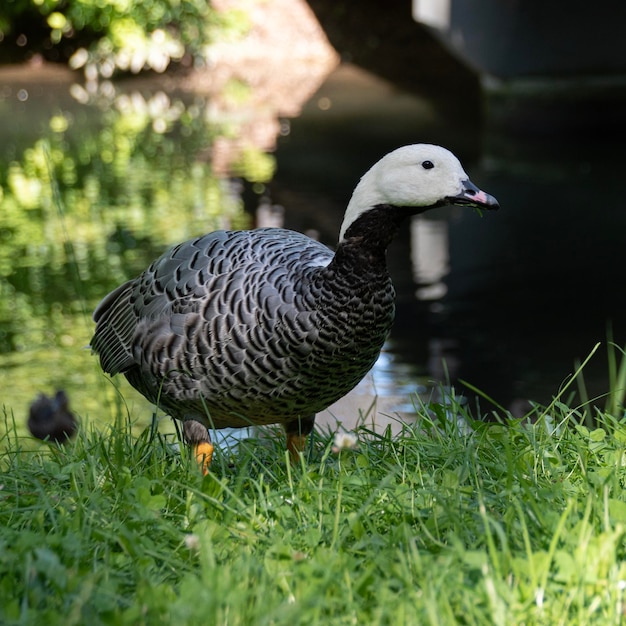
[50, 419]
[268, 326]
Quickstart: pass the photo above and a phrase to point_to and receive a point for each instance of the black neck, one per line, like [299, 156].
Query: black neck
[367, 238]
[376, 227]
[358, 271]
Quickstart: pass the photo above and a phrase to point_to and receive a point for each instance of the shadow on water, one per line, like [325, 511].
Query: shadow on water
[508, 302]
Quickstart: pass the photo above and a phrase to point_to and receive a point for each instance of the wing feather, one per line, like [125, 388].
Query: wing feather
[213, 275]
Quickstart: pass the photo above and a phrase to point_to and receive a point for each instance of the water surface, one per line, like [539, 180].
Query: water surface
[91, 193]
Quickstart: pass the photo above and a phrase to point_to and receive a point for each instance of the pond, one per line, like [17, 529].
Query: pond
[96, 185]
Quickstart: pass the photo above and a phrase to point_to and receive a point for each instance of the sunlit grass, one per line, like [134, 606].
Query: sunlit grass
[504, 523]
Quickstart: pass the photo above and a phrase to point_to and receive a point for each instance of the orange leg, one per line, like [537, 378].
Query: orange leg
[203, 451]
[295, 444]
[197, 436]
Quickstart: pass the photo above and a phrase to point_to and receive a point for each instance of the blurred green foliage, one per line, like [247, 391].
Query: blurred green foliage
[105, 36]
[92, 201]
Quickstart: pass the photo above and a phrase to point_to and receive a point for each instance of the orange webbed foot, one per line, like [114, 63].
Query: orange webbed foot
[203, 451]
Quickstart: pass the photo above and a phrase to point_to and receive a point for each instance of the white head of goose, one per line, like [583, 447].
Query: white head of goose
[267, 326]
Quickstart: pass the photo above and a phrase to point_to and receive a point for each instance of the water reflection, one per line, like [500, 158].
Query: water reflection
[87, 203]
[94, 184]
[430, 256]
[92, 193]
[531, 294]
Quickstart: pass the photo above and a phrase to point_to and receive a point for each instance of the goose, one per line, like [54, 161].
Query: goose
[50, 419]
[268, 326]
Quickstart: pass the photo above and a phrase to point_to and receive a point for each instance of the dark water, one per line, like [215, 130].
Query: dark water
[508, 302]
[520, 296]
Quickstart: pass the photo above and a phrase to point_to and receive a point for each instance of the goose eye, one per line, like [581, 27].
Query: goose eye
[428, 165]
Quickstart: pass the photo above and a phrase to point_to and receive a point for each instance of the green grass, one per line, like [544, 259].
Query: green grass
[509, 523]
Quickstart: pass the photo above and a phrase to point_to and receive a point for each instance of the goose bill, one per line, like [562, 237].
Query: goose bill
[473, 196]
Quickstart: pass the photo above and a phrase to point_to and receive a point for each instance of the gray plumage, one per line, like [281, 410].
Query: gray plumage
[269, 326]
[246, 327]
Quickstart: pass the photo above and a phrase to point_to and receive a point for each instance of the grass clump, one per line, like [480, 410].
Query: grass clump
[503, 523]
